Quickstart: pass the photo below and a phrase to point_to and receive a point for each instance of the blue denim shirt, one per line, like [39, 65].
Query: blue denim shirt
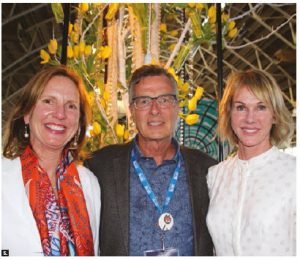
[144, 232]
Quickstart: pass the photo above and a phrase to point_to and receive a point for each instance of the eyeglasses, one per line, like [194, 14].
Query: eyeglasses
[163, 101]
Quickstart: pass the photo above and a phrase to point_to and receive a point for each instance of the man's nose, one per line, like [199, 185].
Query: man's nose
[154, 107]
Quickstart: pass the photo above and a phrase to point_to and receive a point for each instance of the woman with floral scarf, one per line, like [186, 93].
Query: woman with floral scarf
[50, 204]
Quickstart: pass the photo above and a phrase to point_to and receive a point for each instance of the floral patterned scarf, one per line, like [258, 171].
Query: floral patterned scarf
[63, 222]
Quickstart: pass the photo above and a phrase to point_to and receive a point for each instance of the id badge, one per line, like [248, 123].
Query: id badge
[162, 252]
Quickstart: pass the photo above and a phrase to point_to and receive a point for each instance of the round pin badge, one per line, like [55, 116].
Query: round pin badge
[165, 221]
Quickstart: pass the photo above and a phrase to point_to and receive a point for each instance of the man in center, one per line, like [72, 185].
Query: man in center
[154, 192]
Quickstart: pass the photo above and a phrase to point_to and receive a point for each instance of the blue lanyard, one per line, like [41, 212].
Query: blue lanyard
[146, 185]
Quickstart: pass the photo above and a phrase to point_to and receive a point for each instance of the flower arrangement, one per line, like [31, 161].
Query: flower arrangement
[107, 42]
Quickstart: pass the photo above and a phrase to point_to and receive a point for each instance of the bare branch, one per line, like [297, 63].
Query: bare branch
[94, 19]
[245, 13]
[179, 43]
[262, 38]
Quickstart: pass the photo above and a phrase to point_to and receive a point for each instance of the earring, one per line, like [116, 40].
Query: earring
[75, 142]
[26, 134]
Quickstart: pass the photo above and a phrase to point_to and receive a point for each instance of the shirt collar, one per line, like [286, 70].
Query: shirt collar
[140, 155]
[261, 158]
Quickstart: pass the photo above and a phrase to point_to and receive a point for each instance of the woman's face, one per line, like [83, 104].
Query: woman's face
[54, 120]
[251, 121]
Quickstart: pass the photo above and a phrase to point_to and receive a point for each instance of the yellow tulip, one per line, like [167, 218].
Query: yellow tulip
[103, 103]
[200, 6]
[232, 33]
[212, 14]
[192, 104]
[91, 98]
[192, 119]
[113, 8]
[212, 20]
[52, 46]
[70, 53]
[81, 47]
[182, 103]
[231, 25]
[88, 50]
[154, 62]
[120, 130]
[70, 28]
[96, 128]
[74, 36]
[174, 33]
[224, 17]
[95, 5]
[185, 87]
[213, 27]
[199, 92]
[92, 132]
[181, 115]
[76, 27]
[179, 82]
[163, 27]
[192, 5]
[105, 52]
[44, 56]
[84, 7]
[188, 12]
[100, 85]
[172, 72]
[212, 11]
[126, 134]
[172, 46]
[170, 17]
[76, 51]
[106, 95]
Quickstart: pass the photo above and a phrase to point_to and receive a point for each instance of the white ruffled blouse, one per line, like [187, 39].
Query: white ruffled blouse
[252, 207]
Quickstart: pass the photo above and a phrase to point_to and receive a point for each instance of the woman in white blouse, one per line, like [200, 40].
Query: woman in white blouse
[253, 194]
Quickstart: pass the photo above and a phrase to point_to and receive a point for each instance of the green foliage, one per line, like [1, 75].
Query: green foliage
[58, 12]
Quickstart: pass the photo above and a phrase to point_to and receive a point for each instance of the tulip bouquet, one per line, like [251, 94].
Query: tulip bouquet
[107, 42]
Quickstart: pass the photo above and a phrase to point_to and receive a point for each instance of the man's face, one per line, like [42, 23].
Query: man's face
[155, 123]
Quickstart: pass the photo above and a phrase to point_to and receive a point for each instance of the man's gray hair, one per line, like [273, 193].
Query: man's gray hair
[146, 71]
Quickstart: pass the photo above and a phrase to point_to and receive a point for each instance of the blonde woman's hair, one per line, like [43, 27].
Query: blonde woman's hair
[14, 142]
[265, 88]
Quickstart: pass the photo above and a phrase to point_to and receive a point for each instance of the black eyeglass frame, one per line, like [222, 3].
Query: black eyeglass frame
[153, 98]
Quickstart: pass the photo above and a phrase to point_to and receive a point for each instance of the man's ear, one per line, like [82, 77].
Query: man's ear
[132, 112]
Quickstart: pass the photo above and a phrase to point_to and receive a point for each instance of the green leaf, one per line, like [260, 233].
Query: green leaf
[90, 63]
[141, 12]
[182, 56]
[179, 5]
[58, 12]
